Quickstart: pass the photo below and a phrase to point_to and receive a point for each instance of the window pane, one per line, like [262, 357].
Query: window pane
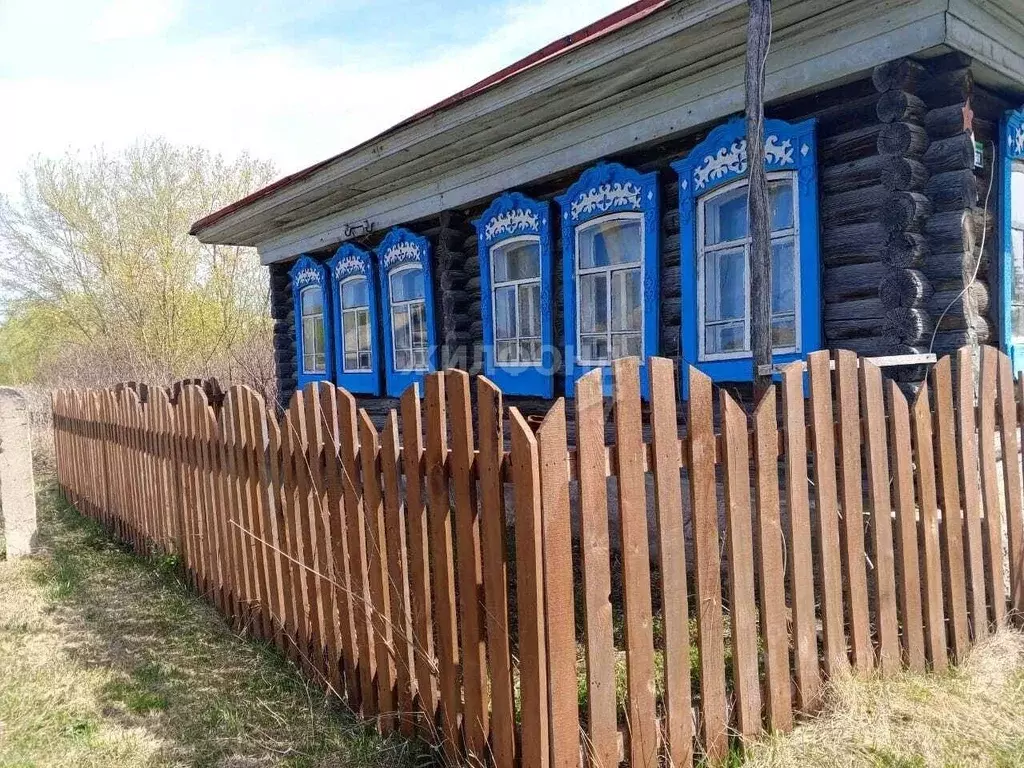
[419, 358]
[505, 351]
[724, 338]
[780, 205]
[318, 337]
[1017, 315]
[400, 321]
[724, 289]
[364, 361]
[626, 345]
[594, 348]
[403, 359]
[407, 284]
[364, 330]
[418, 318]
[530, 351]
[516, 261]
[350, 324]
[1017, 195]
[355, 293]
[626, 312]
[312, 301]
[783, 277]
[725, 217]
[593, 299]
[783, 331]
[351, 361]
[505, 313]
[529, 309]
[610, 242]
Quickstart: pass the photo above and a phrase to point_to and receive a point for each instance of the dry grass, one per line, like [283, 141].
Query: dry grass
[969, 716]
[106, 660]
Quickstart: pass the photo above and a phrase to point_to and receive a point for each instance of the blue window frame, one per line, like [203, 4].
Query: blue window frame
[610, 271]
[354, 304]
[407, 294]
[312, 320]
[1011, 218]
[714, 248]
[514, 243]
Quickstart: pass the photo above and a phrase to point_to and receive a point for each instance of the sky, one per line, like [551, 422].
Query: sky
[292, 81]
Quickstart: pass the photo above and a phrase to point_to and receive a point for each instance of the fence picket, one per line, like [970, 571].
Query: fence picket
[558, 588]
[1008, 416]
[952, 523]
[441, 548]
[851, 487]
[935, 627]
[877, 464]
[992, 521]
[672, 548]
[602, 735]
[778, 692]
[470, 566]
[707, 566]
[533, 676]
[636, 564]
[495, 559]
[801, 575]
[826, 514]
[740, 549]
[420, 600]
[970, 490]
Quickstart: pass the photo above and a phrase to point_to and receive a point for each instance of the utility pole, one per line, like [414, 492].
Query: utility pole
[759, 31]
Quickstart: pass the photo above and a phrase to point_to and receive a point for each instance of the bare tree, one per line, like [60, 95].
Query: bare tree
[759, 30]
[102, 276]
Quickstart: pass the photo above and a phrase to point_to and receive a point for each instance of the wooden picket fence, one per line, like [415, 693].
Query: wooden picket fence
[860, 531]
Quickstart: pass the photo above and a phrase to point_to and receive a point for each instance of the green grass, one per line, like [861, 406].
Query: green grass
[108, 660]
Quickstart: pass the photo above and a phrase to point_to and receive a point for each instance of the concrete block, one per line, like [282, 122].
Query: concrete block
[17, 486]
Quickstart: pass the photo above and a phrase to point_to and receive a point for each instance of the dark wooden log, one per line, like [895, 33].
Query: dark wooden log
[895, 106]
[904, 249]
[849, 328]
[903, 139]
[904, 288]
[953, 154]
[945, 88]
[452, 280]
[670, 284]
[853, 281]
[850, 145]
[969, 304]
[901, 74]
[856, 173]
[877, 346]
[950, 269]
[945, 122]
[953, 190]
[670, 219]
[905, 325]
[854, 207]
[901, 174]
[950, 232]
[904, 211]
[837, 118]
[947, 342]
[855, 309]
[853, 244]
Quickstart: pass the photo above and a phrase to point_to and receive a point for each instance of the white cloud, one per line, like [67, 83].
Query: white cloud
[276, 101]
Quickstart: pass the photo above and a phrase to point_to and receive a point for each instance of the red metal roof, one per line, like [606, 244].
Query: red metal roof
[614, 21]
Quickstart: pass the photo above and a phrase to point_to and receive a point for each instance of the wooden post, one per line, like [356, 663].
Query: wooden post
[759, 30]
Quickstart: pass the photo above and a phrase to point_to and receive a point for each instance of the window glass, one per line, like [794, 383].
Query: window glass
[519, 260]
[409, 319]
[314, 358]
[355, 293]
[407, 284]
[1017, 196]
[593, 303]
[608, 243]
[516, 299]
[1017, 247]
[724, 279]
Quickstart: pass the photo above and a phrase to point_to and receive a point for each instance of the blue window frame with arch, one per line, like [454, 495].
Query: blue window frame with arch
[407, 297]
[354, 305]
[610, 271]
[312, 320]
[1011, 219]
[714, 248]
[514, 244]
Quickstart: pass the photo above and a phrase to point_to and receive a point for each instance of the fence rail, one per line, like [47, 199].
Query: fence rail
[847, 529]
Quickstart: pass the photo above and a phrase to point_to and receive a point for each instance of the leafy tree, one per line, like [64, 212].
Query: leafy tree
[104, 283]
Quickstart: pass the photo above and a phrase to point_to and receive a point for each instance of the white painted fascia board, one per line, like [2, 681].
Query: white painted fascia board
[661, 24]
[800, 62]
[992, 33]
